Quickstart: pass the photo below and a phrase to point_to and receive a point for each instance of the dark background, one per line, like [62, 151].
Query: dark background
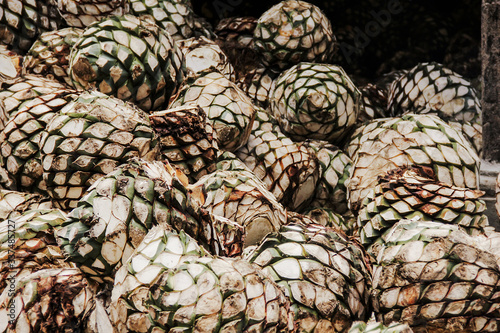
[447, 32]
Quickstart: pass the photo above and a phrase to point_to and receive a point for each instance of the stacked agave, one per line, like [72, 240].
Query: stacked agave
[435, 277]
[113, 218]
[170, 283]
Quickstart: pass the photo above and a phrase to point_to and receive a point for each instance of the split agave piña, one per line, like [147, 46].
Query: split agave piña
[186, 140]
[325, 275]
[243, 198]
[290, 170]
[113, 218]
[229, 110]
[434, 277]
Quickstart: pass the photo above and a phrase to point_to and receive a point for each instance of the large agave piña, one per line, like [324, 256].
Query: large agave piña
[20, 163]
[186, 140]
[49, 300]
[324, 274]
[14, 204]
[413, 192]
[21, 21]
[14, 93]
[335, 170]
[225, 294]
[132, 59]
[88, 138]
[315, 101]
[49, 55]
[242, 197]
[426, 140]
[162, 249]
[115, 215]
[82, 13]
[290, 170]
[203, 53]
[434, 277]
[431, 88]
[293, 31]
[229, 110]
[375, 327]
[435, 88]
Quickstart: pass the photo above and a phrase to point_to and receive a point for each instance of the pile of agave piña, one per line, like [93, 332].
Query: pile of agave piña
[160, 175]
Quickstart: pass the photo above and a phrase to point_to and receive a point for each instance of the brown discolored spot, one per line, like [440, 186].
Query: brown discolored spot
[83, 70]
